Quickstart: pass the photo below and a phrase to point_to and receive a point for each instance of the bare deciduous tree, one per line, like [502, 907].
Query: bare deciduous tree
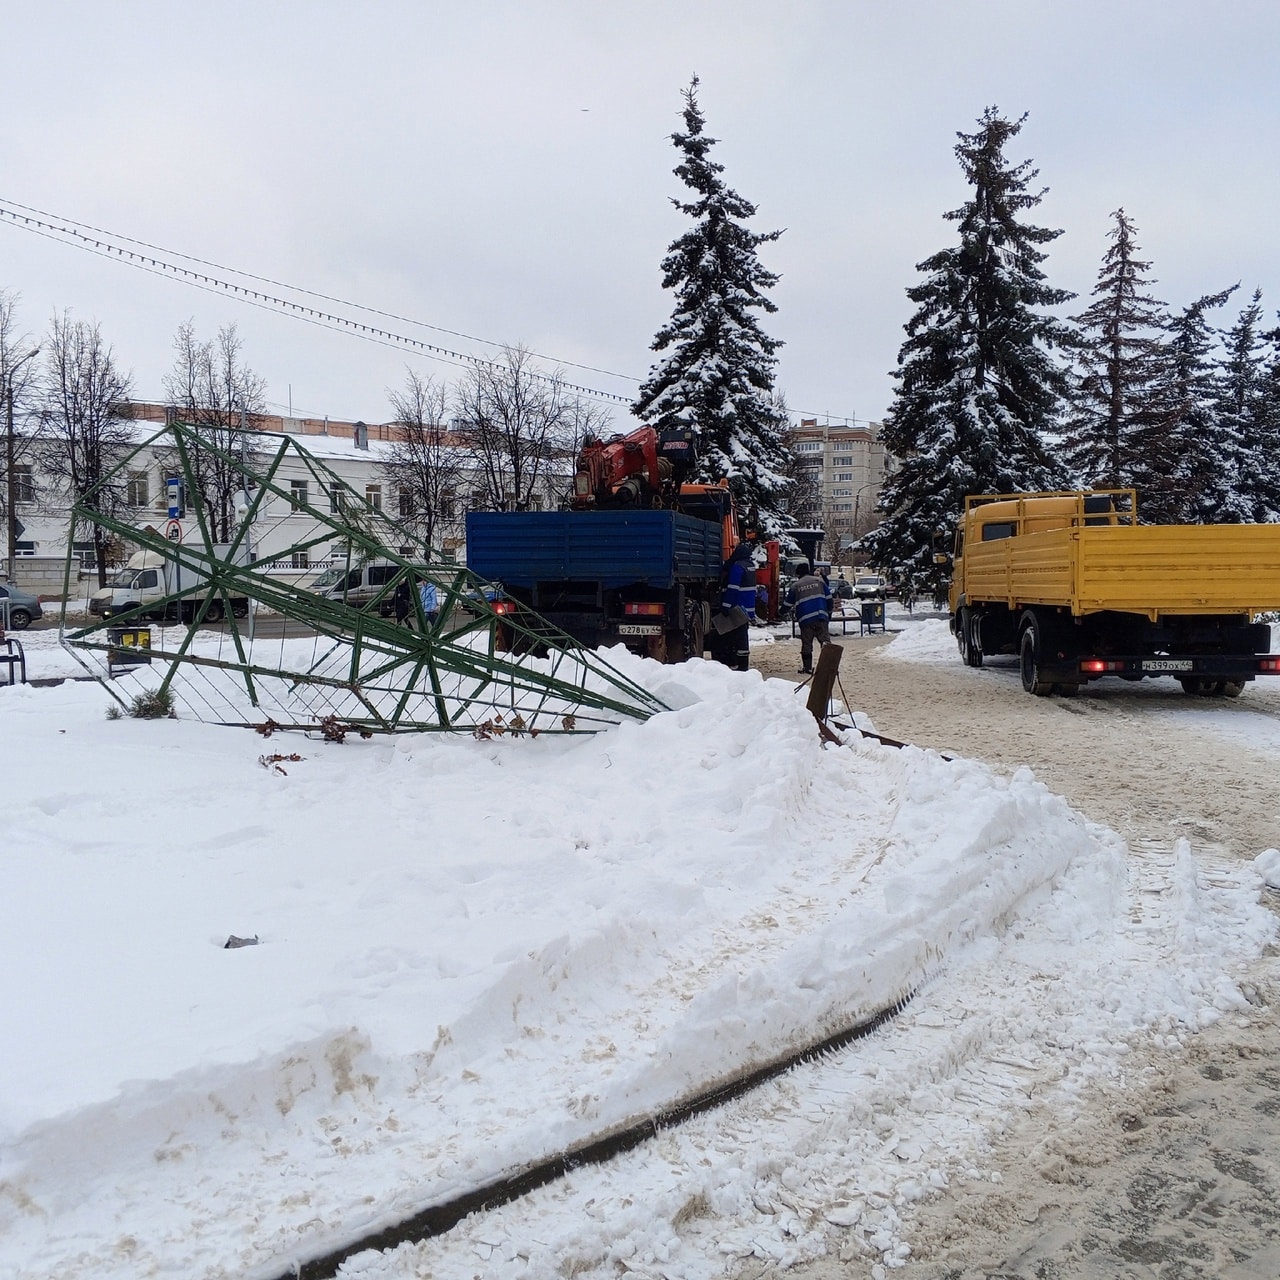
[17, 380]
[85, 434]
[518, 425]
[212, 388]
[427, 471]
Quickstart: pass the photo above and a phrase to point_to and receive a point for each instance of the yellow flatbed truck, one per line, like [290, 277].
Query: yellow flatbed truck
[1078, 590]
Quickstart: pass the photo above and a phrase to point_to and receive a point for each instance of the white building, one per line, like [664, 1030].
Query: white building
[355, 452]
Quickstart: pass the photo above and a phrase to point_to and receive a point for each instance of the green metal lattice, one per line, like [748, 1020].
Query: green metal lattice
[346, 665]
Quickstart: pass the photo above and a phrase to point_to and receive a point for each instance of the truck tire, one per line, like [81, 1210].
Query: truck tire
[1232, 688]
[1030, 649]
[968, 636]
[1196, 687]
[214, 612]
[695, 636]
[239, 608]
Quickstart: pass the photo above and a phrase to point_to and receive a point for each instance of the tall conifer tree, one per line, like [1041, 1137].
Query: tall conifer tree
[1242, 413]
[718, 371]
[1269, 416]
[1113, 433]
[1201, 453]
[978, 386]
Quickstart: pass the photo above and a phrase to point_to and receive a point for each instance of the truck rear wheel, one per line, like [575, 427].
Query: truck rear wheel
[214, 612]
[968, 637]
[695, 636]
[1029, 655]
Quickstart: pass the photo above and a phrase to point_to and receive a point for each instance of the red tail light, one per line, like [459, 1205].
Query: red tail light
[1270, 665]
[1099, 666]
[654, 608]
[503, 606]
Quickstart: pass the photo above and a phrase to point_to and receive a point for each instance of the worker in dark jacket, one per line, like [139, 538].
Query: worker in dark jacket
[812, 598]
[400, 602]
[739, 591]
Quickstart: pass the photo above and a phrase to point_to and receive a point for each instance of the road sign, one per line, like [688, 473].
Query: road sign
[173, 531]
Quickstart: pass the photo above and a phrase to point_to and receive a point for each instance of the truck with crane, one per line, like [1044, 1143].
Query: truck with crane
[635, 556]
[1073, 586]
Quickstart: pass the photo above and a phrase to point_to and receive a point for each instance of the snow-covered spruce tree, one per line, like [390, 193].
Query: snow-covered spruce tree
[1199, 449]
[978, 386]
[718, 370]
[1112, 436]
[1269, 406]
[1242, 412]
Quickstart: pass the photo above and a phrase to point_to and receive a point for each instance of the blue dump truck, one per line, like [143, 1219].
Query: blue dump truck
[645, 578]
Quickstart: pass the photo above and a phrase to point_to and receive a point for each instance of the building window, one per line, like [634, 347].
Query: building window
[373, 496]
[138, 491]
[24, 548]
[87, 554]
[842, 493]
[844, 475]
[477, 500]
[534, 503]
[447, 504]
[300, 560]
[298, 497]
[844, 461]
[449, 555]
[842, 506]
[24, 484]
[809, 446]
[405, 501]
[336, 503]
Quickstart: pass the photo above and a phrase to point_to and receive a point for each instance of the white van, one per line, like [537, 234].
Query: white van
[360, 585]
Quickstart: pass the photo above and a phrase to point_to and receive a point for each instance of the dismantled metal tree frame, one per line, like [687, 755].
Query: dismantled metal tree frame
[346, 667]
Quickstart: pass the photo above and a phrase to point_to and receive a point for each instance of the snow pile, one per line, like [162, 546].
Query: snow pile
[474, 954]
[1268, 865]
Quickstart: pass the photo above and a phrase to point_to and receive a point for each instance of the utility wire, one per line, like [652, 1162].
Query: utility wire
[70, 230]
[70, 233]
[293, 288]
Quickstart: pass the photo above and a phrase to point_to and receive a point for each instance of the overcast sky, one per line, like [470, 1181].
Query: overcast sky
[503, 170]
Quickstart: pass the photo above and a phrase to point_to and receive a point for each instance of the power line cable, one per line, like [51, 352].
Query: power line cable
[71, 234]
[32, 219]
[293, 288]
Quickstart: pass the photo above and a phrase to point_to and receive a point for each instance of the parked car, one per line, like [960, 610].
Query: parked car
[490, 591]
[870, 586]
[22, 607]
[842, 588]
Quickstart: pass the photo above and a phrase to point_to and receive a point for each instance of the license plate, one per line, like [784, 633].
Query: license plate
[639, 628]
[1167, 664]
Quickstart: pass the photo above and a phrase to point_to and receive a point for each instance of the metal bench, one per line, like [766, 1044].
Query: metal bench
[13, 661]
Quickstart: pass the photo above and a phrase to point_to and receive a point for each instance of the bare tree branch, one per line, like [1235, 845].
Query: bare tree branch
[426, 469]
[85, 433]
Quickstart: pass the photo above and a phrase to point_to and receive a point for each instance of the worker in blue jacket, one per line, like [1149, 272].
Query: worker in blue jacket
[811, 596]
[739, 591]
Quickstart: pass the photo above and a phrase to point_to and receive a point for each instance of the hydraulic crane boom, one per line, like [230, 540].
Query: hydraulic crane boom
[644, 468]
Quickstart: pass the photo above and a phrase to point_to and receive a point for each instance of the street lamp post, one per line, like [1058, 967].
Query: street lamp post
[11, 478]
[857, 501]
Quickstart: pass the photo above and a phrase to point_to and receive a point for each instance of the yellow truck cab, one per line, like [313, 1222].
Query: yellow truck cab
[1077, 589]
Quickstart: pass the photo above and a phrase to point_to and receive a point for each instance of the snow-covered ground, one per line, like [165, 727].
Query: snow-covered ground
[474, 954]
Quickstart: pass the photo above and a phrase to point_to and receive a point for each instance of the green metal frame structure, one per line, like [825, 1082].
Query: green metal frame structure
[475, 669]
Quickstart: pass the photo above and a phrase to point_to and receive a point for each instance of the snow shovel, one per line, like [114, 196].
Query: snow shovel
[729, 620]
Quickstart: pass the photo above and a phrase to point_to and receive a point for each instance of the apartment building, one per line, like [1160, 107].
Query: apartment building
[848, 465]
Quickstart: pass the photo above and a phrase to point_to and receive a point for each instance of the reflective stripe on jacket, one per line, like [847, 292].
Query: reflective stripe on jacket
[812, 595]
[740, 589]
